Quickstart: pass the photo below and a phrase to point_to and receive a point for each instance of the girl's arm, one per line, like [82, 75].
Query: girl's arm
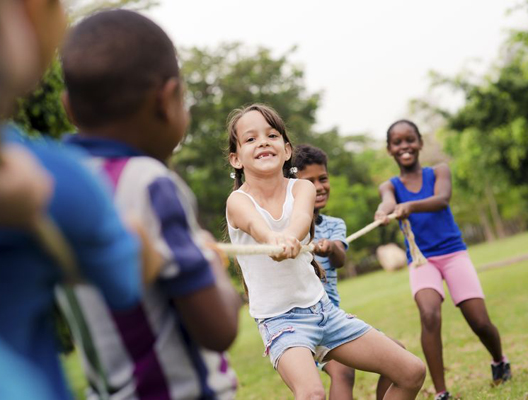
[388, 202]
[243, 215]
[439, 201]
[303, 206]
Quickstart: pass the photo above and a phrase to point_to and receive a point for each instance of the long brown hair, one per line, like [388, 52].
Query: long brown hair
[275, 121]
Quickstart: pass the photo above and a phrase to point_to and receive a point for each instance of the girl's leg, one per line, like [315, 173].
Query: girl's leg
[341, 380]
[429, 304]
[384, 382]
[297, 369]
[375, 352]
[476, 314]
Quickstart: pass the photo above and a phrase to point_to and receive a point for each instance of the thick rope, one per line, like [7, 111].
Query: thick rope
[233, 250]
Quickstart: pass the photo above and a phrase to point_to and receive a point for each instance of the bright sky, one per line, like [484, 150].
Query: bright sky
[369, 58]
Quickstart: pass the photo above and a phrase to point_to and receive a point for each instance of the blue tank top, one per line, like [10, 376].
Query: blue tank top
[436, 233]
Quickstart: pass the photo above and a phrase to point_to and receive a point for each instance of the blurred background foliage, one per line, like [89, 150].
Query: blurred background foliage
[485, 140]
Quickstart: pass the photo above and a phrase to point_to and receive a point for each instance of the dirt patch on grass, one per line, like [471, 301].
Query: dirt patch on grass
[503, 263]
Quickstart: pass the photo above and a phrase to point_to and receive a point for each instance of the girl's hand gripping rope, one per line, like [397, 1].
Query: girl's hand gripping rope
[291, 246]
[401, 212]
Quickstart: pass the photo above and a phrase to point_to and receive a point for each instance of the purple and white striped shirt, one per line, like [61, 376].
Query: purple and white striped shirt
[146, 352]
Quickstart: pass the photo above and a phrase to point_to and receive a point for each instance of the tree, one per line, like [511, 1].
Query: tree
[42, 111]
[487, 138]
[218, 81]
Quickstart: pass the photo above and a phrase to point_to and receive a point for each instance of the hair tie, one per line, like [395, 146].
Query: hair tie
[293, 170]
[232, 175]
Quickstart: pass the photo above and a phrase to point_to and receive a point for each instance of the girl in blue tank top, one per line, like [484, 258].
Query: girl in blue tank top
[422, 195]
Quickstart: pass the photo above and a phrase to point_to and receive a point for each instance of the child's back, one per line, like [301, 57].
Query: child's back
[158, 349]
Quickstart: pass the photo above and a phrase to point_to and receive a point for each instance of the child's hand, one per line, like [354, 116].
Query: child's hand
[403, 210]
[324, 247]
[290, 244]
[381, 216]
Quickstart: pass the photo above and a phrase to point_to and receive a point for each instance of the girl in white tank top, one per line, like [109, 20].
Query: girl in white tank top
[296, 319]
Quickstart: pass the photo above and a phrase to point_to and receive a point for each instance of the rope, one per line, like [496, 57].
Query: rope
[416, 255]
[233, 250]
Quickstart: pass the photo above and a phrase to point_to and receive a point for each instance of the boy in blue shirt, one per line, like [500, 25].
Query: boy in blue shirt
[330, 252]
[105, 253]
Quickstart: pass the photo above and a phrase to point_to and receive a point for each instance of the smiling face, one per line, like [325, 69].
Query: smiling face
[404, 145]
[317, 174]
[260, 147]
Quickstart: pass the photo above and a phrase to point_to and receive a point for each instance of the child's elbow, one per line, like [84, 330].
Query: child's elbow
[444, 202]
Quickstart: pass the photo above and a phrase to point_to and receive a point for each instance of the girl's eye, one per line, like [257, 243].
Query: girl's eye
[250, 139]
[273, 135]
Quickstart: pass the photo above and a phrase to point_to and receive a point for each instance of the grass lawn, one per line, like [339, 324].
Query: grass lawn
[384, 300]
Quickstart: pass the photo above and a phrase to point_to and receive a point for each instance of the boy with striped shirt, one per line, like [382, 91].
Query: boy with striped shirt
[126, 98]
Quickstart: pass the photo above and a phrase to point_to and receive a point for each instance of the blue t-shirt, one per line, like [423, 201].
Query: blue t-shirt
[21, 380]
[106, 254]
[330, 228]
[436, 233]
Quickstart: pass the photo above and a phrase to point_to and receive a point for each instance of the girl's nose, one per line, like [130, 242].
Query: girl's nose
[263, 142]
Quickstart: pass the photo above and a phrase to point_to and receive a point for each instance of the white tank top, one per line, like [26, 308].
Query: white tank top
[276, 287]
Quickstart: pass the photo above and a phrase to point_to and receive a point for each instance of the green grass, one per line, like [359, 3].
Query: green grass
[501, 249]
[384, 300]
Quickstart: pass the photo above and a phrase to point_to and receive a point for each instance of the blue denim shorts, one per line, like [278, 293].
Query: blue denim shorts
[320, 328]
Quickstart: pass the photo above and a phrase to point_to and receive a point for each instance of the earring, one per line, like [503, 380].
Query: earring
[232, 175]
[293, 170]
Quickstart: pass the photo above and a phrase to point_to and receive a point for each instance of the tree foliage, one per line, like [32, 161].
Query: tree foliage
[42, 112]
[218, 81]
[487, 138]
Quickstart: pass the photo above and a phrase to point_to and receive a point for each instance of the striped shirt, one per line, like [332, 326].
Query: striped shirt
[147, 352]
[330, 228]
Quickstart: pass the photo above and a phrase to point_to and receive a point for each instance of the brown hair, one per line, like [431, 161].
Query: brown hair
[275, 121]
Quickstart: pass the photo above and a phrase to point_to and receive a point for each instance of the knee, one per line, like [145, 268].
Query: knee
[431, 319]
[315, 392]
[414, 375]
[347, 375]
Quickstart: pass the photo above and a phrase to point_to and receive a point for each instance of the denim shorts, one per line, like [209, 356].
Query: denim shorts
[320, 328]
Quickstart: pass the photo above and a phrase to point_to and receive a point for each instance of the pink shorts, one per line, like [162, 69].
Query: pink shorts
[457, 270]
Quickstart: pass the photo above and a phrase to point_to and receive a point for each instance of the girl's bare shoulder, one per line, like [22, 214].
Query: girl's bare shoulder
[442, 169]
[387, 185]
[303, 186]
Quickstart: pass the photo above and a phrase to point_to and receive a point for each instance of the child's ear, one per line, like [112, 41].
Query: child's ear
[170, 98]
[288, 148]
[65, 99]
[234, 161]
